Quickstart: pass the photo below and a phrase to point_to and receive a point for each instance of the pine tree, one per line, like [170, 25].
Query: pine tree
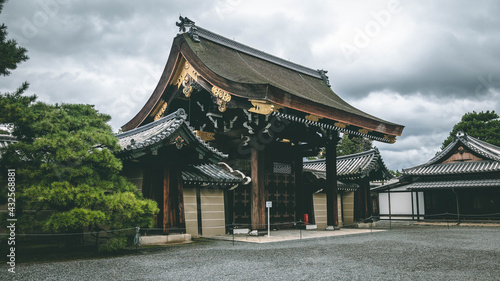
[67, 176]
[483, 125]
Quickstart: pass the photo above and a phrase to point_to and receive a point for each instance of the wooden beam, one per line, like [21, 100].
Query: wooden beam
[257, 205]
[331, 182]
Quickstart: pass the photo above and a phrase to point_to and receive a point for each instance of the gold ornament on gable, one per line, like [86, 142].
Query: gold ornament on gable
[205, 136]
[185, 76]
[161, 111]
[222, 96]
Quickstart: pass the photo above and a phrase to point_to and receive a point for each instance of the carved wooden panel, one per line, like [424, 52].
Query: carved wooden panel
[280, 190]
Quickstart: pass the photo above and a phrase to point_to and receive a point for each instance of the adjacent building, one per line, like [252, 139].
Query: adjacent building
[460, 182]
[355, 174]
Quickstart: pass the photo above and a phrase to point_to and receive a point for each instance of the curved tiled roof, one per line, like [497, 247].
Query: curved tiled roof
[157, 131]
[352, 166]
[250, 74]
[455, 168]
[478, 183]
[210, 174]
[482, 148]
[489, 152]
[321, 176]
[5, 140]
[204, 33]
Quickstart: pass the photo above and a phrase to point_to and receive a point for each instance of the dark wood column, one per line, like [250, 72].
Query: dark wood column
[331, 182]
[258, 204]
[180, 200]
[165, 199]
[299, 185]
[369, 203]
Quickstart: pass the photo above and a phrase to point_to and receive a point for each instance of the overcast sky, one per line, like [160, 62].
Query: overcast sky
[422, 64]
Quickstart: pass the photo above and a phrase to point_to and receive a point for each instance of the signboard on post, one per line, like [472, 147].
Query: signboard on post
[269, 204]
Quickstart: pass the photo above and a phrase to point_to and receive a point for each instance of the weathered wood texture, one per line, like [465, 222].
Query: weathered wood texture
[166, 201]
[331, 182]
[257, 212]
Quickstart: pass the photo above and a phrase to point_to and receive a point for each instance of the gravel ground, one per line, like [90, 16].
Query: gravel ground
[404, 253]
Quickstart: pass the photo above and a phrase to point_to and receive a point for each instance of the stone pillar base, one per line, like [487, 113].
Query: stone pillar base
[331, 228]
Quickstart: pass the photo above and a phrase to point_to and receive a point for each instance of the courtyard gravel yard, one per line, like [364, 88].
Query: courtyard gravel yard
[403, 253]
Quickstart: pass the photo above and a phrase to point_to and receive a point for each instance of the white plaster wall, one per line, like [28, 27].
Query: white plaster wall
[401, 203]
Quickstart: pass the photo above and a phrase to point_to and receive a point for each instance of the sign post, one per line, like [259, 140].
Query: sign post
[269, 204]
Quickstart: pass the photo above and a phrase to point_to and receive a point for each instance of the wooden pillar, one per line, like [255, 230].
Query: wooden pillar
[368, 209]
[418, 208]
[257, 205]
[180, 200]
[331, 182]
[165, 199]
[412, 207]
[299, 185]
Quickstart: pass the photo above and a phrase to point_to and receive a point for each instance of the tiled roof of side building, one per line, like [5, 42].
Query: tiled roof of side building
[155, 132]
[5, 140]
[455, 168]
[472, 183]
[317, 182]
[482, 148]
[209, 174]
[352, 166]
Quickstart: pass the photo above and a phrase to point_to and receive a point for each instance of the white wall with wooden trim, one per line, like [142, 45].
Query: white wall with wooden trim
[191, 211]
[213, 218]
[348, 208]
[397, 204]
[319, 201]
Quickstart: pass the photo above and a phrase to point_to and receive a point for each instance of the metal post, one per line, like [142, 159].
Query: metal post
[269, 204]
[389, 199]
[268, 222]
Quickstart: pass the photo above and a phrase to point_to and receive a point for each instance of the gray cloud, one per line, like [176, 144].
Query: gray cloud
[424, 66]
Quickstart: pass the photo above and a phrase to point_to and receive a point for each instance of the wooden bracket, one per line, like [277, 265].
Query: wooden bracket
[313, 118]
[364, 131]
[340, 125]
[392, 139]
[263, 107]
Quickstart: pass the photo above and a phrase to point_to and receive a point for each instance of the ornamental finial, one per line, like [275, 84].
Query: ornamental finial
[324, 77]
[185, 23]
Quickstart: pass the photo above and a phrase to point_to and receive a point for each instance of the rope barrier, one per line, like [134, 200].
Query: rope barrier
[233, 226]
[69, 234]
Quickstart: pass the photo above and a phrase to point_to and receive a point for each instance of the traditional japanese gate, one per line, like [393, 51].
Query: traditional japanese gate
[280, 185]
[241, 100]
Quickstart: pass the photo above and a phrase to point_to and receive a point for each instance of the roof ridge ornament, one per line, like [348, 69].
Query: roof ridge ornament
[460, 134]
[324, 76]
[184, 23]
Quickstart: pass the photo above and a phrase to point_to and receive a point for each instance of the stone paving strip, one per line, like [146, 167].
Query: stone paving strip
[295, 234]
